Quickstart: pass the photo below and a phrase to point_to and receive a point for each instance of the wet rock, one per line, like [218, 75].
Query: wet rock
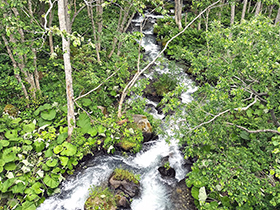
[127, 187]
[167, 172]
[122, 201]
[143, 123]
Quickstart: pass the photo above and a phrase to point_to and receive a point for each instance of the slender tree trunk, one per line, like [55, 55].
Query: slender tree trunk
[17, 76]
[232, 13]
[270, 10]
[249, 6]
[258, 8]
[50, 33]
[36, 74]
[243, 10]
[178, 13]
[99, 13]
[207, 19]
[199, 22]
[277, 20]
[62, 16]
[90, 14]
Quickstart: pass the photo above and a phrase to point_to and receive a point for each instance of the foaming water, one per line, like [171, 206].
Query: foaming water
[155, 190]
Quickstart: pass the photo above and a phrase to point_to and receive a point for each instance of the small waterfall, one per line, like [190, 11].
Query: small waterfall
[155, 190]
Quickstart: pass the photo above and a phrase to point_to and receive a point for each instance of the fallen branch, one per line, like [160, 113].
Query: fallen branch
[254, 131]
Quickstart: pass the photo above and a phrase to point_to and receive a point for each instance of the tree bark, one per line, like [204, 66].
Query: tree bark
[99, 14]
[258, 8]
[277, 20]
[243, 10]
[90, 14]
[15, 65]
[270, 10]
[232, 13]
[178, 13]
[63, 24]
[249, 6]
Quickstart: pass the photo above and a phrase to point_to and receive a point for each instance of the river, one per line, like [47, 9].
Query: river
[155, 190]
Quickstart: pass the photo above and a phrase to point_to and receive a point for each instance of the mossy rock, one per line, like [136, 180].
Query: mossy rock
[100, 199]
[127, 145]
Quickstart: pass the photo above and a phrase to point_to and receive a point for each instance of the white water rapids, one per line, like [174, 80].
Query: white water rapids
[155, 190]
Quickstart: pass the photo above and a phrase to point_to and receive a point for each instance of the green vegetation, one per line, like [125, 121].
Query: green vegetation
[100, 199]
[232, 126]
[123, 174]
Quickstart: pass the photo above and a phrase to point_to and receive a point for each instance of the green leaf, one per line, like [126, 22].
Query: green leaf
[63, 160]
[195, 192]
[48, 153]
[36, 187]
[4, 143]
[101, 129]
[8, 183]
[51, 182]
[92, 131]
[11, 134]
[58, 149]
[9, 155]
[52, 163]
[68, 149]
[86, 102]
[28, 128]
[62, 137]
[27, 205]
[39, 146]
[18, 188]
[10, 166]
[49, 114]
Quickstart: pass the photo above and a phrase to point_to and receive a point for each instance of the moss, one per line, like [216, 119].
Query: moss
[122, 174]
[100, 198]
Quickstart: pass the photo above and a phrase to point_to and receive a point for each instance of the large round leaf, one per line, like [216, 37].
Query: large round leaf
[68, 149]
[48, 114]
[52, 163]
[51, 182]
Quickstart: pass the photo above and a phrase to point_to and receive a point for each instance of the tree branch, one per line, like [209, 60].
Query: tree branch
[254, 131]
[97, 86]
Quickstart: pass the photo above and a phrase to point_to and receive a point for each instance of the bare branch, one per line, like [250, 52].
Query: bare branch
[255, 131]
[97, 86]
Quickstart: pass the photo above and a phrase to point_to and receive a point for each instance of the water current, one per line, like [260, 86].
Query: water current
[155, 190]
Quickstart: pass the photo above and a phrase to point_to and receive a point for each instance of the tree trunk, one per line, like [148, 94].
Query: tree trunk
[232, 13]
[99, 14]
[199, 22]
[90, 14]
[178, 13]
[17, 76]
[249, 6]
[277, 20]
[207, 19]
[36, 74]
[50, 33]
[258, 8]
[270, 10]
[62, 16]
[243, 10]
